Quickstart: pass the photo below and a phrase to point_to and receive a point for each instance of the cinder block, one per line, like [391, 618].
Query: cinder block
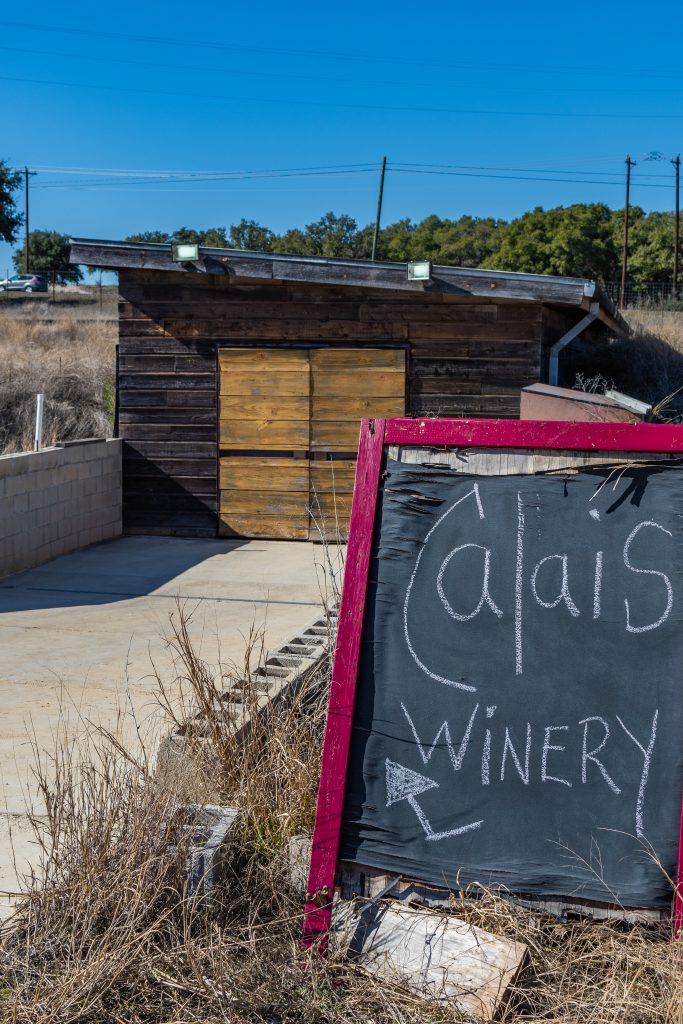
[15, 484]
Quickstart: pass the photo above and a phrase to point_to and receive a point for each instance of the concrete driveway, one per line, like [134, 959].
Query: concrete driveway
[78, 637]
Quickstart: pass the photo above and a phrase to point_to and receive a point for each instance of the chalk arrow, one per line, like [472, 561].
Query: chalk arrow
[405, 784]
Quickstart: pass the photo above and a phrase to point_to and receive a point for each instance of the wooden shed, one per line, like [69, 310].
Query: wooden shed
[242, 376]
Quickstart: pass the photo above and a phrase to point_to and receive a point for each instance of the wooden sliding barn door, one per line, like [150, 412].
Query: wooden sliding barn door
[288, 434]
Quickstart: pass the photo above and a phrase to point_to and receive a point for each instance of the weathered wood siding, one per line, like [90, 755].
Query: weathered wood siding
[465, 357]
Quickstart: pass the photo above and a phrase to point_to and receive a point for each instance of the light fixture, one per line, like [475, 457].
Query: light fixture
[420, 270]
[185, 252]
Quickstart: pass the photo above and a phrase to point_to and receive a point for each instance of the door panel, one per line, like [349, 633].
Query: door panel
[306, 404]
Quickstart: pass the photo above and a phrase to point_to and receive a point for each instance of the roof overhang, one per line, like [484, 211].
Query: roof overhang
[492, 285]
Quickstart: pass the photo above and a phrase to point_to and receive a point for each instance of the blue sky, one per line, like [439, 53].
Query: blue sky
[531, 90]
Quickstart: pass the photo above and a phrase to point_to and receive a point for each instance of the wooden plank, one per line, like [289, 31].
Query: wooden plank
[265, 383]
[166, 431]
[265, 434]
[465, 405]
[135, 500]
[269, 527]
[334, 435]
[199, 486]
[250, 474]
[150, 362]
[350, 407]
[170, 520]
[494, 331]
[368, 384]
[142, 466]
[331, 503]
[264, 329]
[278, 504]
[332, 475]
[335, 755]
[437, 956]
[640, 437]
[163, 415]
[257, 360]
[331, 360]
[169, 449]
[411, 312]
[206, 350]
[268, 407]
[167, 381]
[195, 399]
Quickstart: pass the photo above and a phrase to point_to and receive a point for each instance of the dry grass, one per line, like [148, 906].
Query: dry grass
[67, 352]
[112, 936]
[647, 365]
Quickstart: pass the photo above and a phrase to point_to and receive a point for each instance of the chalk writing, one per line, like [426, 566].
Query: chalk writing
[573, 750]
[405, 784]
[549, 589]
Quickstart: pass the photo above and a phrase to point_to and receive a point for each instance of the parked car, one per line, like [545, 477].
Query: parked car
[24, 283]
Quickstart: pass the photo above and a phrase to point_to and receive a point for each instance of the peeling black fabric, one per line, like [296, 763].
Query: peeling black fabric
[532, 629]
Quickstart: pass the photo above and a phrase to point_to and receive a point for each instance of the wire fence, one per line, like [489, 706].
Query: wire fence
[651, 295]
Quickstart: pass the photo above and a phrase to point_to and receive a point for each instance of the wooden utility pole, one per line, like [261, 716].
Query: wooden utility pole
[26, 246]
[677, 223]
[375, 236]
[624, 261]
[27, 252]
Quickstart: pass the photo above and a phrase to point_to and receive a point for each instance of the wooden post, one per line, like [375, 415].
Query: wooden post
[677, 224]
[26, 244]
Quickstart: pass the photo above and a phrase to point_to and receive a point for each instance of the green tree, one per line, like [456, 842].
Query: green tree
[651, 243]
[330, 236]
[10, 218]
[49, 254]
[572, 241]
[250, 235]
[295, 242]
[153, 237]
[212, 238]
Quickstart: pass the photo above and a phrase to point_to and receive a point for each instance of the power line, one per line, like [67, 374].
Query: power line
[522, 177]
[348, 106]
[176, 179]
[173, 178]
[532, 170]
[343, 56]
[664, 89]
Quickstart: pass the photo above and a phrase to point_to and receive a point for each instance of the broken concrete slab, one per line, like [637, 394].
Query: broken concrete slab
[436, 956]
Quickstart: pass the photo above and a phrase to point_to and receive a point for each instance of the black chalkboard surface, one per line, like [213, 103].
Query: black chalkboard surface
[519, 703]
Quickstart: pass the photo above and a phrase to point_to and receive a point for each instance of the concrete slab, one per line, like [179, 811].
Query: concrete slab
[79, 637]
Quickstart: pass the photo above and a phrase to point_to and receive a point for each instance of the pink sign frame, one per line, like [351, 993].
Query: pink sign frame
[375, 434]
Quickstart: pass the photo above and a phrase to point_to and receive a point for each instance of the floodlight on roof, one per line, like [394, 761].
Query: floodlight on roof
[420, 270]
[185, 252]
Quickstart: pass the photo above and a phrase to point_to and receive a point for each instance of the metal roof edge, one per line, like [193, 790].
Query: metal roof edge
[572, 291]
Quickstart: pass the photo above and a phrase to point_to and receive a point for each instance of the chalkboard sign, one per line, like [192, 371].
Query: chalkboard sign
[507, 698]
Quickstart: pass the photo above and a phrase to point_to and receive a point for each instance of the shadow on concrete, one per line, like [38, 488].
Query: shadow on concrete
[119, 570]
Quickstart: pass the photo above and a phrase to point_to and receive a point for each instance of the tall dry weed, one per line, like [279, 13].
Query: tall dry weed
[68, 357]
[111, 936]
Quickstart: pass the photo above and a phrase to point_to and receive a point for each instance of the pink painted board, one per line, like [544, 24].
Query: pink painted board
[328, 817]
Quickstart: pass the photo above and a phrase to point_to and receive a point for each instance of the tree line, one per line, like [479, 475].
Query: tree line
[581, 240]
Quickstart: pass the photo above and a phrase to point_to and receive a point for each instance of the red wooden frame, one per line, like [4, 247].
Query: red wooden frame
[453, 433]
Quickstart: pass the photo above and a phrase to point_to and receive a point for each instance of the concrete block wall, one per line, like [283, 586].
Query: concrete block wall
[58, 500]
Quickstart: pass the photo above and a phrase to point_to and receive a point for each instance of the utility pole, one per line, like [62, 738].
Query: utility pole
[27, 255]
[375, 236]
[624, 261]
[677, 225]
